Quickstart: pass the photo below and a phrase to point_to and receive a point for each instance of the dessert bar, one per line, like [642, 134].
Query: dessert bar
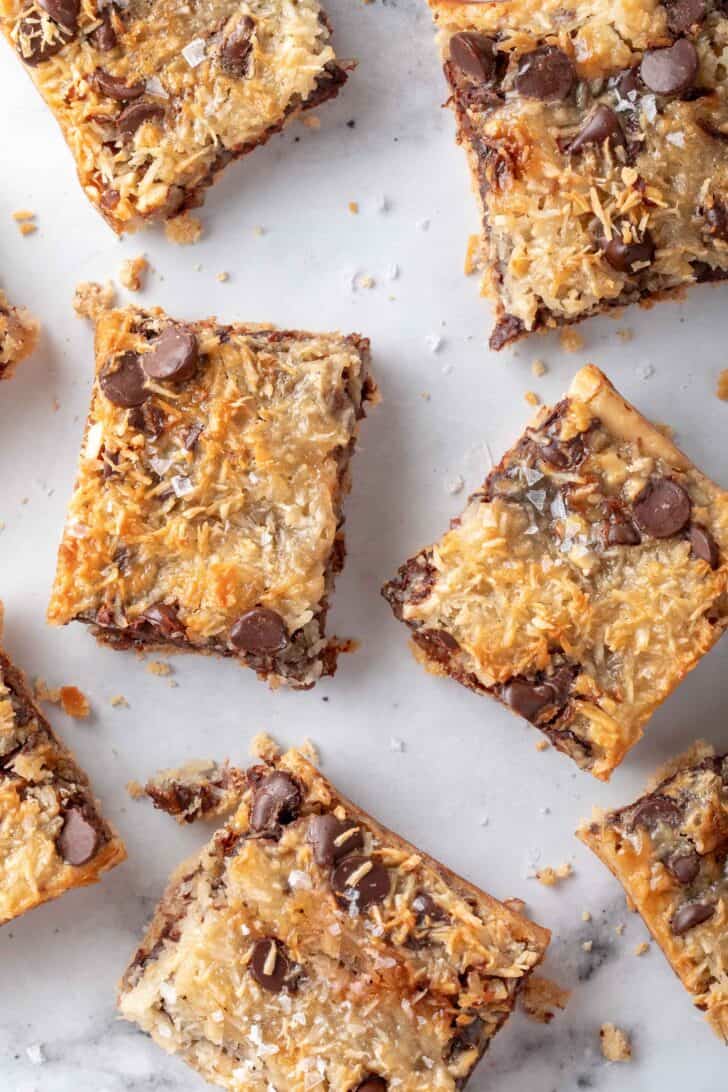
[18, 336]
[307, 946]
[582, 582]
[53, 836]
[155, 97]
[207, 511]
[669, 851]
[596, 135]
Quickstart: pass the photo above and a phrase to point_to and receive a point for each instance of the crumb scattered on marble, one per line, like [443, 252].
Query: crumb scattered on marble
[615, 1043]
[23, 214]
[90, 299]
[532, 398]
[542, 745]
[258, 230]
[354, 208]
[183, 230]
[619, 929]
[45, 693]
[571, 340]
[159, 667]
[133, 273]
[586, 915]
[625, 334]
[538, 368]
[587, 945]
[515, 904]
[642, 948]
[550, 877]
[222, 277]
[264, 747]
[119, 701]
[135, 790]
[540, 997]
[74, 702]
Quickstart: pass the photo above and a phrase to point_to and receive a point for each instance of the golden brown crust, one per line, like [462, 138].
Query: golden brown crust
[19, 332]
[426, 973]
[547, 592]
[155, 97]
[656, 172]
[217, 495]
[669, 851]
[42, 791]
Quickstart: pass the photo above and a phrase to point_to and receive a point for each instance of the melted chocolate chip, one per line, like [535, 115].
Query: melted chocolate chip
[474, 55]
[437, 643]
[372, 1084]
[32, 44]
[703, 545]
[174, 355]
[662, 508]
[546, 74]
[466, 1039]
[670, 71]
[654, 810]
[165, 619]
[122, 381]
[136, 114]
[259, 630]
[236, 48]
[114, 87]
[428, 911]
[104, 37]
[276, 801]
[533, 699]
[367, 889]
[269, 964]
[78, 839]
[622, 532]
[332, 838]
[684, 865]
[684, 14]
[690, 915]
[602, 124]
[63, 12]
[624, 256]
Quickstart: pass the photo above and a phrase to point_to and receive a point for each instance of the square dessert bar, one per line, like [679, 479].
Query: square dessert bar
[308, 947]
[155, 97]
[669, 851]
[584, 580]
[207, 511]
[53, 836]
[596, 134]
[18, 336]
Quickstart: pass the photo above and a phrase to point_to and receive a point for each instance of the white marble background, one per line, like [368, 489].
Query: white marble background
[464, 760]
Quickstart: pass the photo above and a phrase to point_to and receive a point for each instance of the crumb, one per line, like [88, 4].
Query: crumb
[309, 750]
[23, 214]
[625, 334]
[514, 904]
[642, 948]
[616, 1046]
[133, 273]
[532, 398]
[74, 702]
[549, 877]
[354, 207]
[571, 341]
[91, 298]
[183, 230]
[119, 702]
[587, 945]
[542, 745]
[43, 692]
[311, 121]
[258, 230]
[585, 915]
[159, 667]
[722, 386]
[538, 368]
[471, 255]
[540, 997]
[135, 790]
[264, 747]
[27, 227]
[619, 929]
[426, 395]
[222, 277]
[366, 281]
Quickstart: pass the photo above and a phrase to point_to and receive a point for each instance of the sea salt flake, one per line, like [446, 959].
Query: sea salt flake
[194, 52]
[678, 139]
[433, 343]
[531, 475]
[537, 498]
[298, 880]
[156, 87]
[35, 1054]
[182, 486]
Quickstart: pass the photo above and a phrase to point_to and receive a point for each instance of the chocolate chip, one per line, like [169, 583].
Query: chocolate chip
[276, 801]
[628, 83]
[602, 124]
[687, 917]
[361, 881]
[622, 532]
[546, 74]
[372, 1084]
[136, 114]
[684, 14]
[104, 37]
[114, 87]
[662, 508]
[703, 545]
[562, 455]
[715, 216]
[64, 12]
[259, 630]
[427, 909]
[672, 70]
[437, 643]
[122, 381]
[624, 256]
[32, 44]
[236, 48]
[174, 355]
[332, 838]
[684, 865]
[269, 964]
[654, 810]
[164, 618]
[474, 55]
[78, 839]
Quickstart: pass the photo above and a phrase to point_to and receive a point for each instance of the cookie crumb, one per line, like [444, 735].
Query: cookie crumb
[722, 385]
[23, 214]
[542, 745]
[74, 702]
[550, 877]
[264, 747]
[119, 702]
[540, 997]
[44, 693]
[532, 398]
[135, 790]
[571, 341]
[619, 929]
[91, 299]
[27, 227]
[222, 277]
[309, 751]
[642, 948]
[587, 945]
[183, 230]
[133, 273]
[159, 667]
[538, 368]
[354, 208]
[615, 1043]
[585, 915]
[311, 121]
[471, 255]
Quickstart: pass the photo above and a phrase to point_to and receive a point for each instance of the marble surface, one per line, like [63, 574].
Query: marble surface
[469, 785]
